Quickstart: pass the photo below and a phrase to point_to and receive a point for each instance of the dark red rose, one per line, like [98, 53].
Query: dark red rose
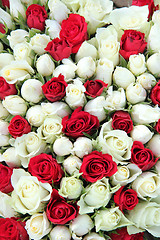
[2, 28]
[94, 88]
[122, 120]
[19, 126]
[45, 168]
[132, 42]
[152, 8]
[155, 94]
[79, 122]
[59, 211]
[142, 157]
[5, 3]
[122, 234]
[141, 2]
[157, 127]
[36, 16]
[126, 199]
[55, 89]
[6, 89]
[59, 49]
[5, 179]
[11, 229]
[96, 165]
[74, 31]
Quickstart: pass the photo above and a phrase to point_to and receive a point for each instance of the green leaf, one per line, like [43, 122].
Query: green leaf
[9, 118]
[40, 78]
[123, 62]
[60, 159]
[87, 135]
[33, 32]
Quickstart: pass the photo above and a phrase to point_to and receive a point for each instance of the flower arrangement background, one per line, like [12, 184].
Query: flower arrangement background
[79, 120]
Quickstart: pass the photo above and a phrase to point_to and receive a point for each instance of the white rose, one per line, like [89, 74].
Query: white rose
[125, 174]
[39, 43]
[6, 211]
[4, 127]
[15, 105]
[141, 133]
[104, 70]
[123, 77]
[58, 10]
[45, 66]
[73, 5]
[4, 140]
[60, 233]
[115, 100]
[17, 36]
[59, 108]
[1, 46]
[153, 63]
[82, 146]
[3, 111]
[147, 80]
[86, 49]
[67, 69]
[17, 7]
[154, 145]
[93, 236]
[31, 90]
[11, 158]
[86, 67]
[38, 226]
[156, 15]
[137, 64]
[5, 59]
[72, 164]
[29, 194]
[152, 41]
[135, 93]
[145, 114]
[35, 116]
[53, 28]
[105, 33]
[22, 51]
[6, 18]
[62, 146]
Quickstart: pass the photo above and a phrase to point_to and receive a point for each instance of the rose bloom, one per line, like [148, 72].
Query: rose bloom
[5, 179]
[132, 42]
[6, 89]
[19, 126]
[97, 165]
[94, 88]
[74, 31]
[155, 94]
[79, 122]
[59, 211]
[122, 120]
[122, 234]
[5, 3]
[2, 28]
[55, 89]
[36, 16]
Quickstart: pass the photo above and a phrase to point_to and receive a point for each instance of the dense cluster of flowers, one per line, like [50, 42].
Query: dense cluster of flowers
[79, 120]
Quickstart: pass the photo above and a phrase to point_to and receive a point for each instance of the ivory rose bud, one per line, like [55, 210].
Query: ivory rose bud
[93, 236]
[11, 158]
[5, 59]
[156, 16]
[86, 67]
[4, 127]
[17, 7]
[115, 100]
[35, 115]
[22, 51]
[58, 10]
[154, 145]
[62, 146]
[6, 211]
[154, 35]
[82, 146]
[67, 69]
[153, 64]
[72, 164]
[137, 64]
[45, 66]
[6, 18]
[60, 232]
[141, 133]
[3, 112]
[31, 90]
[135, 93]
[17, 36]
[15, 105]
[147, 80]
[59, 108]
[123, 77]
[39, 43]
[4, 140]
[86, 50]
[53, 28]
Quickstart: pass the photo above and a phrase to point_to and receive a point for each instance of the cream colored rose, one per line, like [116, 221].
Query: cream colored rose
[6, 211]
[82, 146]
[147, 80]
[22, 51]
[73, 5]
[35, 116]
[72, 164]
[4, 127]
[156, 16]
[135, 93]
[11, 158]
[16, 7]
[5, 59]
[115, 100]
[17, 36]
[153, 38]
[6, 18]
[123, 77]
[141, 133]
[153, 63]
[62, 146]
[86, 50]
[137, 64]
[86, 67]
[105, 33]
[29, 195]
[4, 140]
[39, 43]
[53, 28]
[93, 236]
[15, 105]
[59, 108]
[154, 145]
[58, 10]
[3, 111]
[60, 232]
[45, 66]
[31, 90]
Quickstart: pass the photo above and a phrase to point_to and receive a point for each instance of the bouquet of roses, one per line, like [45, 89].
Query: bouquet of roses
[79, 120]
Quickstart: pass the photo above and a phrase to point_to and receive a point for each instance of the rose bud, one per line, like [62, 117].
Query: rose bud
[147, 80]
[39, 43]
[62, 146]
[17, 7]
[11, 158]
[6, 17]
[45, 66]
[86, 50]
[94, 88]
[141, 133]
[67, 69]
[4, 140]
[60, 232]
[153, 63]
[57, 7]
[6, 211]
[135, 93]
[15, 105]
[72, 164]
[82, 146]
[122, 120]
[86, 67]
[5, 59]
[154, 145]
[5, 3]
[59, 108]
[17, 36]
[123, 77]
[4, 127]
[154, 94]
[31, 90]
[53, 28]
[137, 64]
[3, 112]
[35, 116]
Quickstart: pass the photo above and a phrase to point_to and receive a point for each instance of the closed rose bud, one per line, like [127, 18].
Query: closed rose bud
[6, 18]
[35, 116]
[67, 69]
[72, 164]
[153, 63]
[147, 80]
[11, 158]
[123, 77]
[86, 67]
[31, 90]
[4, 140]
[62, 146]
[45, 66]
[86, 50]
[59, 108]
[137, 64]
[60, 232]
[17, 7]
[15, 105]
[141, 133]
[3, 112]
[135, 93]
[154, 145]
[58, 10]
[39, 43]
[82, 146]
[5, 59]
[6, 211]
[53, 28]
[4, 127]
[17, 36]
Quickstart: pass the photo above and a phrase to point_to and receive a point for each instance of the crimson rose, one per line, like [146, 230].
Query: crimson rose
[5, 179]
[19, 126]
[55, 89]
[58, 49]
[59, 211]
[122, 234]
[155, 94]
[97, 165]
[142, 157]
[74, 31]
[11, 229]
[2, 28]
[141, 2]
[6, 89]
[132, 42]
[5, 3]
[94, 88]
[45, 168]
[122, 120]
[36, 16]
[80, 122]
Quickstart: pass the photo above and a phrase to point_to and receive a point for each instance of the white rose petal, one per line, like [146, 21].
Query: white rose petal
[31, 90]
[35, 115]
[60, 233]
[3, 112]
[4, 127]
[6, 211]
[17, 7]
[67, 69]
[115, 100]
[152, 42]
[154, 145]
[141, 133]
[62, 146]
[39, 43]
[59, 108]
[86, 50]
[153, 64]
[93, 236]
[45, 66]
[123, 77]
[58, 10]
[53, 28]
[15, 105]
[6, 18]
[4, 140]
[86, 67]
[137, 64]
[5, 59]
[22, 51]
[82, 146]
[147, 80]
[72, 164]
[135, 93]
[11, 158]
[17, 36]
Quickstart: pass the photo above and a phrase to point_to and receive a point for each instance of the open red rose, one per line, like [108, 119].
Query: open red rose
[36, 16]
[6, 89]
[74, 31]
[132, 42]
[2, 28]
[79, 122]
[142, 157]
[97, 165]
[59, 211]
[59, 49]
[5, 179]
[45, 168]
[122, 234]
[11, 229]
[126, 199]
[55, 89]
[122, 120]
[5, 3]
[19, 126]
[94, 88]
[155, 94]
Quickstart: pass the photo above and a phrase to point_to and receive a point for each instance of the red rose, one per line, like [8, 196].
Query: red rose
[132, 42]
[94, 88]
[97, 165]
[18, 126]
[122, 234]
[141, 2]
[155, 94]
[55, 89]
[157, 127]
[122, 120]
[5, 3]
[59, 211]
[58, 49]
[79, 122]
[2, 28]
[126, 199]
[11, 229]
[36, 16]
[6, 89]
[5, 179]
[45, 168]
[74, 31]
[142, 157]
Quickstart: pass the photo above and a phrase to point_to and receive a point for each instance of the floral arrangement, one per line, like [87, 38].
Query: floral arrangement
[79, 120]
